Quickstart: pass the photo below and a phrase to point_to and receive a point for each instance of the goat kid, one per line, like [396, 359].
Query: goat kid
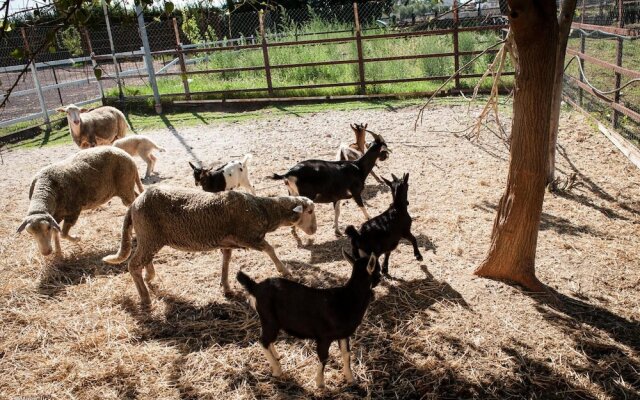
[324, 315]
[226, 177]
[382, 234]
[333, 181]
[356, 149]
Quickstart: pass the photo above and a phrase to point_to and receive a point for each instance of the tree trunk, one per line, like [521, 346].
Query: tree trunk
[514, 238]
[564, 21]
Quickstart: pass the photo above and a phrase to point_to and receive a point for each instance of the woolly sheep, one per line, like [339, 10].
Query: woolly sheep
[140, 145]
[59, 192]
[193, 220]
[97, 127]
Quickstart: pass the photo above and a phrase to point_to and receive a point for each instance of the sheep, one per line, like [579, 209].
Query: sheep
[382, 234]
[324, 315]
[101, 126]
[192, 220]
[226, 177]
[142, 146]
[83, 181]
[332, 181]
[356, 149]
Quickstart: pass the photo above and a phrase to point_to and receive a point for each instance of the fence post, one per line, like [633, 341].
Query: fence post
[358, 32]
[113, 51]
[265, 53]
[619, 47]
[148, 58]
[36, 81]
[183, 66]
[456, 50]
[94, 64]
[582, 49]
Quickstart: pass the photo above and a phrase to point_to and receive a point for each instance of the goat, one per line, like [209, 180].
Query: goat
[84, 181]
[382, 234]
[192, 220]
[101, 126]
[356, 149]
[332, 181]
[142, 146]
[325, 315]
[226, 177]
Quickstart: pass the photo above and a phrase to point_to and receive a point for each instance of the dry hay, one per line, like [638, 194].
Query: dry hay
[73, 329]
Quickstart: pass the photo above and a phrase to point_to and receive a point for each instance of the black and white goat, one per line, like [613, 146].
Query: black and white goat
[331, 181]
[226, 177]
[382, 234]
[356, 149]
[325, 315]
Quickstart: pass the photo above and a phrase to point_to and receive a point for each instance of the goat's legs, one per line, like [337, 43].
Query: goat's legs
[416, 251]
[336, 210]
[67, 224]
[266, 247]
[385, 264]
[244, 182]
[376, 177]
[322, 348]
[267, 338]
[360, 203]
[346, 359]
[273, 350]
[224, 279]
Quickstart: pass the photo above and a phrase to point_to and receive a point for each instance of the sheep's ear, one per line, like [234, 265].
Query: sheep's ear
[347, 257]
[22, 225]
[61, 109]
[371, 265]
[54, 224]
[388, 182]
[298, 209]
[83, 110]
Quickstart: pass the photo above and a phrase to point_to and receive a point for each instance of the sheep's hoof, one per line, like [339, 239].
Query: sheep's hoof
[72, 238]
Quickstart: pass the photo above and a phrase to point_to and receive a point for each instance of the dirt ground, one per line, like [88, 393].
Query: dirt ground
[73, 328]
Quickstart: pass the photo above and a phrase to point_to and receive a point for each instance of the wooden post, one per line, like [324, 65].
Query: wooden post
[36, 81]
[456, 50]
[265, 54]
[619, 47]
[356, 17]
[94, 64]
[183, 66]
[582, 49]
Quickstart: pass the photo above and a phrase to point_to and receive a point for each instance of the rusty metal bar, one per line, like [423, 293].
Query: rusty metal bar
[456, 49]
[617, 107]
[183, 65]
[265, 53]
[356, 18]
[607, 29]
[620, 70]
[618, 80]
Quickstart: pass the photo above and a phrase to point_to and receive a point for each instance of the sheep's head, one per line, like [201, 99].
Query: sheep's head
[198, 173]
[384, 150]
[399, 189]
[367, 266]
[307, 216]
[41, 227]
[73, 114]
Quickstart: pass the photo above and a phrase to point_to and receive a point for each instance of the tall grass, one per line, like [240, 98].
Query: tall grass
[338, 73]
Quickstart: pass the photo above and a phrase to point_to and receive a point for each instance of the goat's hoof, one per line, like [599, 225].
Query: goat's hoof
[277, 373]
[338, 233]
[419, 257]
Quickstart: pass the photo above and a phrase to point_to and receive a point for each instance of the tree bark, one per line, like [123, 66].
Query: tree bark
[514, 238]
[564, 21]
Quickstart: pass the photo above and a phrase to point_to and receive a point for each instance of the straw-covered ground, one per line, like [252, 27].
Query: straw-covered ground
[73, 328]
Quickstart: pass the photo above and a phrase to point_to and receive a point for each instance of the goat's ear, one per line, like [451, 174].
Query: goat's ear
[405, 178]
[371, 265]
[365, 126]
[388, 182]
[22, 225]
[193, 167]
[354, 127]
[298, 209]
[347, 257]
[395, 178]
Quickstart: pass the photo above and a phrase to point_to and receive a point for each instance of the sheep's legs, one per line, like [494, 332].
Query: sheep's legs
[56, 243]
[336, 210]
[323, 354]
[416, 251]
[346, 359]
[224, 279]
[67, 224]
[266, 247]
[141, 259]
[150, 272]
[294, 232]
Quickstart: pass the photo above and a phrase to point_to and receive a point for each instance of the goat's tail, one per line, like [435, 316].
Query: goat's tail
[352, 232]
[247, 282]
[246, 158]
[276, 177]
[125, 243]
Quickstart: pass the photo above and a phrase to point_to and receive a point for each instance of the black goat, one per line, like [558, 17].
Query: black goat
[325, 315]
[332, 181]
[226, 177]
[382, 234]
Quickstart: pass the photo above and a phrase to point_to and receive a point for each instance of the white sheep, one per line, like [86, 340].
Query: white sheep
[142, 146]
[97, 127]
[59, 192]
[193, 220]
